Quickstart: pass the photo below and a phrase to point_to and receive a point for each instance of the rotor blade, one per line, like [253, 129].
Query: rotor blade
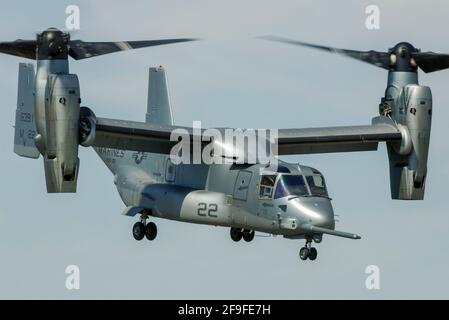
[20, 48]
[430, 61]
[82, 50]
[380, 59]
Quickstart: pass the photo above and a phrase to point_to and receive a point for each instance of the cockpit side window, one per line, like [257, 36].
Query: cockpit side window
[317, 185]
[267, 186]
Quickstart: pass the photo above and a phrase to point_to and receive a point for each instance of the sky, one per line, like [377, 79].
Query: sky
[230, 78]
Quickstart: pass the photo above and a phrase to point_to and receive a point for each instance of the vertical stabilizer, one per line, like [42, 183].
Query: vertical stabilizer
[25, 126]
[159, 111]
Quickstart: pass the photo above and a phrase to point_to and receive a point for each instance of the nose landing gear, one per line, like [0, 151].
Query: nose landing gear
[308, 252]
[143, 229]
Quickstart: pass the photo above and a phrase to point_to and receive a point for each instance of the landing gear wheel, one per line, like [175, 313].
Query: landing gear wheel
[151, 231]
[248, 235]
[313, 253]
[139, 231]
[304, 253]
[236, 234]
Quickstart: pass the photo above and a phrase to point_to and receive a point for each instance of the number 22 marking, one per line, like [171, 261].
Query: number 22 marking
[207, 210]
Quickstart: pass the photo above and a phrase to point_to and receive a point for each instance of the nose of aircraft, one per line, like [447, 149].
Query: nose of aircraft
[316, 211]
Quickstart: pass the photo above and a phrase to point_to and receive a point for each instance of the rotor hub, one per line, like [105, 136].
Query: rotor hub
[401, 57]
[52, 44]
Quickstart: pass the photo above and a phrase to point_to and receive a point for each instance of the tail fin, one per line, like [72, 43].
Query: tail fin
[25, 127]
[159, 111]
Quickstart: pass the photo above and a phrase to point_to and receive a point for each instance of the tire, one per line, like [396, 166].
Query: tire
[313, 254]
[248, 235]
[304, 253]
[138, 231]
[151, 231]
[236, 234]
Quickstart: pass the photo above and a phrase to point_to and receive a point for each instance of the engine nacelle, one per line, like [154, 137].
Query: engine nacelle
[60, 143]
[412, 110]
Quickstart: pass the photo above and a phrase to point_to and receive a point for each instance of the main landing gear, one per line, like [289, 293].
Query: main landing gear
[143, 229]
[237, 234]
[308, 252]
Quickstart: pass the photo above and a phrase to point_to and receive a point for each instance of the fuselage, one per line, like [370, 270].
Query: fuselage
[276, 200]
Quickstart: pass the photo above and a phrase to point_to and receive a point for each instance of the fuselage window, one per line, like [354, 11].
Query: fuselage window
[291, 185]
[317, 185]
[267, 186]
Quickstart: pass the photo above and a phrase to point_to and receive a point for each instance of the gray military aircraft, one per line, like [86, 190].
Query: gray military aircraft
[284, 199]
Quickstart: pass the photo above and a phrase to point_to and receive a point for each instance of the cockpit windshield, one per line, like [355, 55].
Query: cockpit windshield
[291, 185]
[284, 185]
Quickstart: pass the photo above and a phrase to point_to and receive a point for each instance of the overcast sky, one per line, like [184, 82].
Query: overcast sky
[228, 79]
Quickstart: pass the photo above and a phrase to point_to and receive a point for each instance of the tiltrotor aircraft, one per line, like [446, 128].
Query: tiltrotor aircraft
[287, 199]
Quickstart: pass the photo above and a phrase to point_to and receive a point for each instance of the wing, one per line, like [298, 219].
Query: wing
[337, 139]
[139, 136]
[148, 137]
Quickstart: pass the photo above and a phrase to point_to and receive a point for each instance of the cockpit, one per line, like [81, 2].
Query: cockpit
[279, 185]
